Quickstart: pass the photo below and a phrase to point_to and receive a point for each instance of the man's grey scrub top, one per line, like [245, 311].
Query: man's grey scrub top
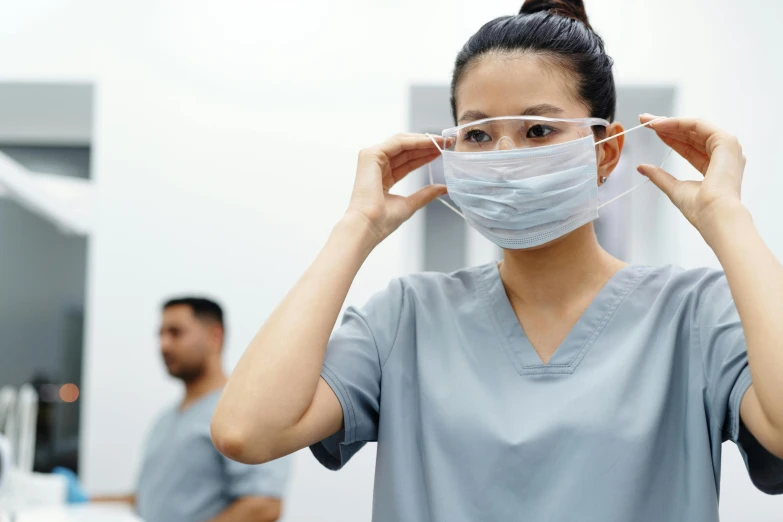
[624, 424]
[185, 479]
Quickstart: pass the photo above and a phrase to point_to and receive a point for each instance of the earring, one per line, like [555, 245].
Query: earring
[603, 180]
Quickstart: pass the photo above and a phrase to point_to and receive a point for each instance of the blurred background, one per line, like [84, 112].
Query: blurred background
[164, 147]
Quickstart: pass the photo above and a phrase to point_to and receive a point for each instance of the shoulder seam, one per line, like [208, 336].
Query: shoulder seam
[397, 331]
[705, 381]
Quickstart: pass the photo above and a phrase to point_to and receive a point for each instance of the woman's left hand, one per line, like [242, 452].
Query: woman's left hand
[714, 153]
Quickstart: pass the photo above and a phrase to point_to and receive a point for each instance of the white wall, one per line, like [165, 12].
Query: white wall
[225, 143]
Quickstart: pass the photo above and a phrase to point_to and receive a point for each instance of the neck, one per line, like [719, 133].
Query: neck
[551, 276]
[212, 379]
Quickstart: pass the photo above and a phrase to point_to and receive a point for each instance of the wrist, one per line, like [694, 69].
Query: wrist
[355, 229]
[723, 222]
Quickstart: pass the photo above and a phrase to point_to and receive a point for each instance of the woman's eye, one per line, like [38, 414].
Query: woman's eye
[477, 136]
[539, 131]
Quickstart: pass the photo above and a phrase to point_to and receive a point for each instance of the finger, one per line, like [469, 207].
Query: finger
[407, 156]
[372, 167]
[688, 140]
[384, 154]
[699, 160]
[404, 142]
[424, 196]
[647, 118]
[700, 131]
[683, 126]
[403, 170]
[660, 178]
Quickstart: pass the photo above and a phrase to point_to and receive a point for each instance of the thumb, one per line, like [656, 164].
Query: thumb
[422, 197]
[660, 178]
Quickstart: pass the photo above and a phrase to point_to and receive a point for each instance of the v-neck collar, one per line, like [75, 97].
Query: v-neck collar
[579, 340]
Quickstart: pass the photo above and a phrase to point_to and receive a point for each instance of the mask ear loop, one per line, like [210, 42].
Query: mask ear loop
[432, 180]
[637, 186]
[630, 130]
[665, 159]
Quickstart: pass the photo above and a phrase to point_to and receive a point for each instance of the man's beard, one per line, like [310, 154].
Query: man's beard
[188, 374]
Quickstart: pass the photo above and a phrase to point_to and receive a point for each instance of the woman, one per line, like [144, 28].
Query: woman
[561, 383]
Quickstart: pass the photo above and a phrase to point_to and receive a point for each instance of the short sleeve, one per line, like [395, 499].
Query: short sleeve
[262, 480]
[727, 373]
[352, 367]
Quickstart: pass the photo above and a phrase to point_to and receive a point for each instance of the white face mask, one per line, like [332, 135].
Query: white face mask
[523, 198]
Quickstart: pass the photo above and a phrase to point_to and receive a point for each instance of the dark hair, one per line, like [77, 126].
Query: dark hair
[557, 30]
[204, 309]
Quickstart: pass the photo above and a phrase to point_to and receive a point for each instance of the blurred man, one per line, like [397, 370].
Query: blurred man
[183, 477]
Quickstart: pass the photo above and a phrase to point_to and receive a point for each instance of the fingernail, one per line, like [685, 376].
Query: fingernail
[641, 169]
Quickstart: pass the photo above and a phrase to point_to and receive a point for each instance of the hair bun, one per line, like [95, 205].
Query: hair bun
[574, 9]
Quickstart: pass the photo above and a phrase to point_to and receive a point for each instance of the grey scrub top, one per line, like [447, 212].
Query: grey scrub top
[185, 479]
[625, 423]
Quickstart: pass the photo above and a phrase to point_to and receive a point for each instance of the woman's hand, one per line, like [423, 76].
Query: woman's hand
[379, 169]
[717, 155]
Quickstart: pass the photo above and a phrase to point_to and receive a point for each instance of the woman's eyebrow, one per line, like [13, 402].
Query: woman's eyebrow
[472, 116]
[542, 109]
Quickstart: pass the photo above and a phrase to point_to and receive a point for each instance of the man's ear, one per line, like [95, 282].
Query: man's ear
[216, 334]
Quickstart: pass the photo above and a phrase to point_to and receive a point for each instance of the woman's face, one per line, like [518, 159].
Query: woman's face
[523, 84]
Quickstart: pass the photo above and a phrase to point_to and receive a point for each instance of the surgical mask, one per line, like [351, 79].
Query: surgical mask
[526, 197]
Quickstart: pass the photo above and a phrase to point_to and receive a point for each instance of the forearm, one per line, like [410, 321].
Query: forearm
[250, 510]
[275, 381]
[755, 278]
[124, 499]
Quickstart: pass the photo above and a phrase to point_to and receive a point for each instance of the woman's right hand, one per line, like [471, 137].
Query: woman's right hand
[379, 169]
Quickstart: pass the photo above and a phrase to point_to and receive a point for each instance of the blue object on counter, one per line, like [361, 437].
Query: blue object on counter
[76, 494]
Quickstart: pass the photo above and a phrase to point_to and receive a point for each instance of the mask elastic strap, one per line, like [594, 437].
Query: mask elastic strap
[451, 207]
[630, 130]
[432, 180]
[436, 143]
[637, 186]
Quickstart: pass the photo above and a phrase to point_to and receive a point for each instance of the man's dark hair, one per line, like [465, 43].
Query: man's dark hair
[203, 309]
